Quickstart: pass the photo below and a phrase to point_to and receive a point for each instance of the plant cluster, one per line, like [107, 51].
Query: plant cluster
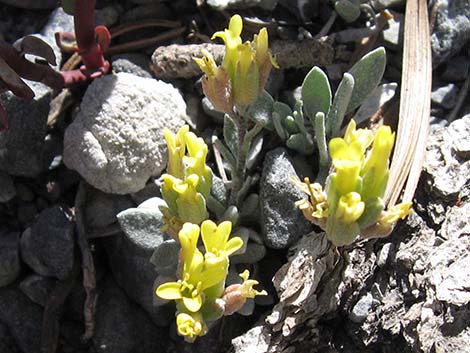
[199, 291]
[352, 204]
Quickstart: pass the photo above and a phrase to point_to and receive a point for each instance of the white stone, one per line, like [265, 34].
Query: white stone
[116, 141]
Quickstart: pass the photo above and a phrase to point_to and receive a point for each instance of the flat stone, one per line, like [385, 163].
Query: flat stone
[7, 187]
[101, 208]
[122, 326]
[451, 30]
[22, 145]
[132, 63]
[48, 246]
[445, 96]
[23, 319]
[362, 309]
[281, 221]
[447, 173]
[38, 288]
[116, 141]
[129, 257]
[9, 258]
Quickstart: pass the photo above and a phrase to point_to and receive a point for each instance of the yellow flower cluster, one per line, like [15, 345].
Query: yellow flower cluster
[188, 181]
[200, 289]
[244, 71]
[352, 204]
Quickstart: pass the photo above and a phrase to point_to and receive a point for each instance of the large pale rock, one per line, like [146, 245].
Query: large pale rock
[116, 140]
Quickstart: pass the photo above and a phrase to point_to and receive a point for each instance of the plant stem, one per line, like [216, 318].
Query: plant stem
[238, 176]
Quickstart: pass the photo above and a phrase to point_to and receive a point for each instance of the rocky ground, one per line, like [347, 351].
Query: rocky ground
[76, 237]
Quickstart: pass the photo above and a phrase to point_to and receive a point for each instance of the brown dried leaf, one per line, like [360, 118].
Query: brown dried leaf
[35, 46]
[415, 105]
[10, 80]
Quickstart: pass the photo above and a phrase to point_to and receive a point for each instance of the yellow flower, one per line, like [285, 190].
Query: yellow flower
[375, 171]
[394, 213]
[190, 326]
[244, 70]
[350, 208]
[235, 295]
[195, 163]
[216, 241]
[176, 150]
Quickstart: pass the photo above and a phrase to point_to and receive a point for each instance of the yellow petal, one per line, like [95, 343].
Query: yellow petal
[193, 304]
[209, 236]
[233, 245]
[350, 208]
[169, 291]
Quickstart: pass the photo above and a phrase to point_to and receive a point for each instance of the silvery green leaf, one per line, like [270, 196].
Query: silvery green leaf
[290, 125]
[280, 112]
[301, 143]
[219, 190]
[278, 126]
[367, 74]
[316, 92]
[260, 111]
[231, 214]
[349, 10]
[246, 186]
[231, 134]
[225, 152]
[320, 137]
[381, 95]
[340, 103]
[244, 234]
[372, 211]
[165, 257]
[254, 151]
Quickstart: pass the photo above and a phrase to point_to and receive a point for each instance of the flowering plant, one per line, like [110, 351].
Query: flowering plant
[352, 204]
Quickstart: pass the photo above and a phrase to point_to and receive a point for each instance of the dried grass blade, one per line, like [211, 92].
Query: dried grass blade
[415, 105]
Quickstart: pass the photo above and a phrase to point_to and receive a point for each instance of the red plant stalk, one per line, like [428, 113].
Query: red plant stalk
[91, 43]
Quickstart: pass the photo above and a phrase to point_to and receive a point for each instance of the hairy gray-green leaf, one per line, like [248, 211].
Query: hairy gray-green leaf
[68, 6]
[320, 137]
[280, 112]
[254, 151]
[316, 92]
[340, 104]
[250, 208]
[290, 125]
[260, 110]
[230, 134]
[301, 143]
[367, 74]
[231, 214]
[372, 211]
[349, 10]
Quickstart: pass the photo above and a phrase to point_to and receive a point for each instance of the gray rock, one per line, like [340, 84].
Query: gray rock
[242, 4]
[48, 246]
[23, 319]
[151, 189]
[383, 255]
[122, 326]
[457, 69]
[7, 342]
[9, 258]
[393, 34]
[22, 145]
[445, 96]
[150, 10]
[451, 30]
[116, 140]
[282, 223]
[362, 309]
[38, 288]
[7, 187]
[132, 63]
[447, 173]
[254, 252]
[26, 212]
[101, 208]
[108, 16]
[129, 257]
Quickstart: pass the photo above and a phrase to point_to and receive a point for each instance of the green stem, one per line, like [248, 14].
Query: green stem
[238, 175]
